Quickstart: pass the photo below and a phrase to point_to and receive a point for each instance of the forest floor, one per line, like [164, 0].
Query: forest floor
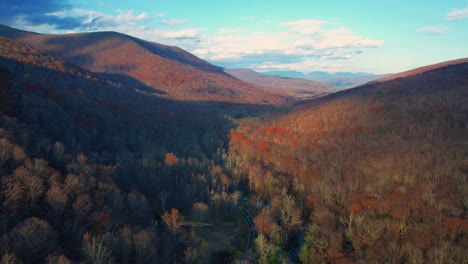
[222, 236]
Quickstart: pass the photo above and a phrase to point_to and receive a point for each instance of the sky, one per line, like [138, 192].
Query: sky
[270, 35]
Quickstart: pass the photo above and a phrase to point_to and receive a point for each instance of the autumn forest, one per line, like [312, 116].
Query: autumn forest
[156, 157]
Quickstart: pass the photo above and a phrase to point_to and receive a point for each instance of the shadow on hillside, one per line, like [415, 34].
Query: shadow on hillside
[424, 83]
[177, 54]
[129, 82]
[105, 118]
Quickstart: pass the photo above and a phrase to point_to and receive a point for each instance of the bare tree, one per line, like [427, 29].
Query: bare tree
[290, 216]
[33, 239]
[95, 250]
[163, 198]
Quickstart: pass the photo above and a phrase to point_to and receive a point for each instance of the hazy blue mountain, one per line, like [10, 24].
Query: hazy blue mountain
[341, 80]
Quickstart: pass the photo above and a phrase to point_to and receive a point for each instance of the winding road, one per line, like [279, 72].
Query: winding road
[248, 220]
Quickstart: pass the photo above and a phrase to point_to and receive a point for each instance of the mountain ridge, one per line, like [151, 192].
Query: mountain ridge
[341, 80]
[179, 74]
[372, 174]
[296, 87]
[421, 70]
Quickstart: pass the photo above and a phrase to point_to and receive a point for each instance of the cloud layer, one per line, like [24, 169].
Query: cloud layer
[34, 13]
[434, 30]
[301, 45]
[457, 14]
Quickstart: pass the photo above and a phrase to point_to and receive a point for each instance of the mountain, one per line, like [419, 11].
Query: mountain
[378, 172]
[291, 74]
[100, 165]
[294, 87]
[85, 159]
[421, 70]
[341, 80]
[348, 82]
[170, 71]
[322, 74]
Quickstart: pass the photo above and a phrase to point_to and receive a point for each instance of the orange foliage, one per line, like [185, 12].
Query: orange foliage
[295, 142]
[312, 200]
[217, 169]
[456, 226]
[424, 240]
[337, 257]
[310, 176]
[173, 220]
[275, 131]
[171, 159]
[225, 180]
[369, 202]
[313, 172]
[276, 201]
[237, 137]
[264, 223]
[397, 197]
[355, 208]
[317, 133]
[263, 146]
[290, 163]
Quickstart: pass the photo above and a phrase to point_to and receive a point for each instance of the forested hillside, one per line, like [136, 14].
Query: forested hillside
[95, 171]
[376, 174]
[166, 71]
[98, 164]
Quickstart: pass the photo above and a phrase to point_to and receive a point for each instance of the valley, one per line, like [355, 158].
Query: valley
[114, 149]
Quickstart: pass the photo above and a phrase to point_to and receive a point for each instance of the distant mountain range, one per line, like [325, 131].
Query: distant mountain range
[170, 71]
[173, 73]
[341, 80]
[295, 87]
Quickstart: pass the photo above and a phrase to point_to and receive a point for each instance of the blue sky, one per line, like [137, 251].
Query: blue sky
[301, 35]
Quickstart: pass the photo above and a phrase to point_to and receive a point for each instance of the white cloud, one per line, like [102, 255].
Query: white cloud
[224, 31]
[180, 34]
[143, 16]
[174, 22]
[457, 14]
[126, 22]
[434, 30]
[300, 46]
[93, 20]
[304, 27]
